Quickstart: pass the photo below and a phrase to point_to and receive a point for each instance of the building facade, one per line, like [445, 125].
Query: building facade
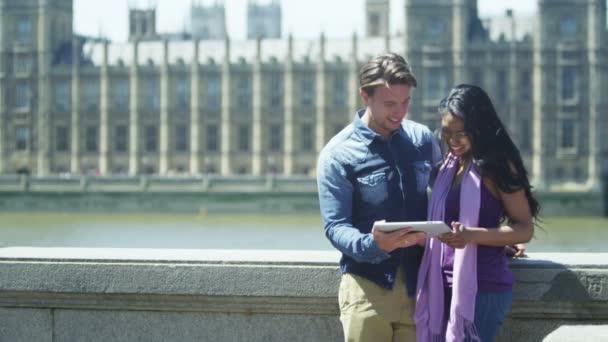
[262, 106]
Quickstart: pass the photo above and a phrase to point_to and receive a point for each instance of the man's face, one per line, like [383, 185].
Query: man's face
[386, 108]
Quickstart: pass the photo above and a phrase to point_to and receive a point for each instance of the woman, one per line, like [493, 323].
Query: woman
[482, 191]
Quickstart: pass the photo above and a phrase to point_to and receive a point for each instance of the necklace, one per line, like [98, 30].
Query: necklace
[460, 168]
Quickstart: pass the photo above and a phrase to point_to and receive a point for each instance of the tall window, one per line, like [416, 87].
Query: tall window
[567, 140]
[23, 64]
[308, 90]
[62, 138]
[22, 95]
[91, 96]
[22, 138]
[213, 93]
[434, 29]
[525, 135]
[436, 84]
[150, 138]
[151, 95]
[120, 138]
[477, 77]
[181, 138]
[339, 90]
[182, 94]
[569, 83]
[525, 85]
[275, 137]
[212, 138]
[306, 137]
[243, 90]
[62, 96]
[243, 138]
[24, 31]
[121, 96]
[91, 139]
[275, 89]
[568, 28]
[502, 85]
[132, 27]
[374, 24]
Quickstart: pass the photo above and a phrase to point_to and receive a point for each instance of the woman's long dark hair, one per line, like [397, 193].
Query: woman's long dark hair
[493, 151]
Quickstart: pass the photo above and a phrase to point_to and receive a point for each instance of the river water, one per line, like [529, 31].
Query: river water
[292, 232]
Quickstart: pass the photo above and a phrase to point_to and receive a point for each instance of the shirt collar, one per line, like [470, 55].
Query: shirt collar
[366, 134]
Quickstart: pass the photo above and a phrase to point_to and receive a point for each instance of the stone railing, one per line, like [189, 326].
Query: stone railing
[233, 295]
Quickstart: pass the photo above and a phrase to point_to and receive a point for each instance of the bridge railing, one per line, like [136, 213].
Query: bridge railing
[80, 294]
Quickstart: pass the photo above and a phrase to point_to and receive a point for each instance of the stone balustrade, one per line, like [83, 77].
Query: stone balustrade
[78, 294]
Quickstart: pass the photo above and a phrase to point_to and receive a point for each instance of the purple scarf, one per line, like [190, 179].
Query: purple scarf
[429, 314]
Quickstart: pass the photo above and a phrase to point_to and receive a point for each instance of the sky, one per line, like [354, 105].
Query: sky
[302, 18]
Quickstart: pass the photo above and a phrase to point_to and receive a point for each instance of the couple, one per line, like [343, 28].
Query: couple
[378, 168]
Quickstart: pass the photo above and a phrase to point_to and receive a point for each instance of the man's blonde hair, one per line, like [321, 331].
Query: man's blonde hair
[385, 69]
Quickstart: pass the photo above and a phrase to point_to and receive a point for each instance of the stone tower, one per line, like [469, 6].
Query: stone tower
[438, 30]
[377, 18]
[208, 22]
[142, 24]
[570, 74]
[264, 21]
[32, 34]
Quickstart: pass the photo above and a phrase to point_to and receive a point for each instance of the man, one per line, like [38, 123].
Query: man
[377, 168]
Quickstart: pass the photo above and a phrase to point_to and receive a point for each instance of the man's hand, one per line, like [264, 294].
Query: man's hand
[389, 241]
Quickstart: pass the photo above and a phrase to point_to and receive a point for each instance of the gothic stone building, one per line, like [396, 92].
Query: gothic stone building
[70, 104]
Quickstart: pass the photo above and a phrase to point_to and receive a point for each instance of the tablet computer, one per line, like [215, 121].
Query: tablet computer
[431, 228]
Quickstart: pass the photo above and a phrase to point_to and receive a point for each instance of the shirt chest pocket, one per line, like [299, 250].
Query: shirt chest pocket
[423, 171]
[373, 187]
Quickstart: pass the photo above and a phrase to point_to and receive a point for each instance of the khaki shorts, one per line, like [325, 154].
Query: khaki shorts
[369, 312]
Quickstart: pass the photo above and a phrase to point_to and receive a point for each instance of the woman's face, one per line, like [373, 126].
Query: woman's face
[454, 135]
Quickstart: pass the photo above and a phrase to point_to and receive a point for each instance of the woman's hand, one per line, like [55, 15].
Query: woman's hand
[516, 251]
[458, 238]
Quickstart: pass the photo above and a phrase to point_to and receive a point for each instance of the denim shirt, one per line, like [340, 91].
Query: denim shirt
[363, 178]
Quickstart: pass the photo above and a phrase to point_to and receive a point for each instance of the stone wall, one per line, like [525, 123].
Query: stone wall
[211, 194]
[93, 295]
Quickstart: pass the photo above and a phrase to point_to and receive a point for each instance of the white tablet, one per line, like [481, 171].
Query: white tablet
[431, 228]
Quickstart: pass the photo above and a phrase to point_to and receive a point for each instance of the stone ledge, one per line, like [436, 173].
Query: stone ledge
[181, 256]
[75, 291]
[170, 279]
[257, 256]
[571, 333]
[562, 260]
[576, 277]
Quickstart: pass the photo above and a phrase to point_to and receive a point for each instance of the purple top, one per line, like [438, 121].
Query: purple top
[493, 274]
